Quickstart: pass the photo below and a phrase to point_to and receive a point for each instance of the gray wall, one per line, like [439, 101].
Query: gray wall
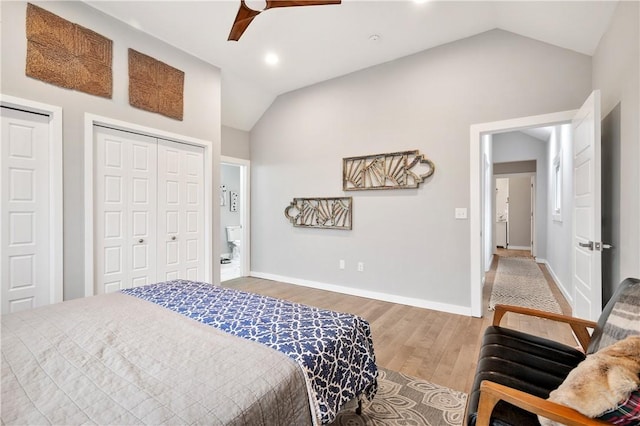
[409, 240]
[616, 72]
[518, 146]
[201, 107]
[235, 143]
[230, 178]
[520, 211]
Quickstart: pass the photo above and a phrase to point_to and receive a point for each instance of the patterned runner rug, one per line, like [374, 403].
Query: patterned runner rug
[405, 400]
[520, 282]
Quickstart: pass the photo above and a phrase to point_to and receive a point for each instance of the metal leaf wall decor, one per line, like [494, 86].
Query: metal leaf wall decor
[396, 170]
[328, 213]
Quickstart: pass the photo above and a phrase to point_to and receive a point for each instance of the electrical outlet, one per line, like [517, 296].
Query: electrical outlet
[360, 266]
[341, 264]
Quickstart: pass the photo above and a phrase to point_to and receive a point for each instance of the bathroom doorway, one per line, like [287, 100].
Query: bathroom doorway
[234, 218]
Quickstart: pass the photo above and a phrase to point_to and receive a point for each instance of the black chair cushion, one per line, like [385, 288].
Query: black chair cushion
[522, 361]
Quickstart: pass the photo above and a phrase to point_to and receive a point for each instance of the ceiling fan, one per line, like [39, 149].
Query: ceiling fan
[246, 14]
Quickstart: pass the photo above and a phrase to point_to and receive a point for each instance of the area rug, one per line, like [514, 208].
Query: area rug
[520, 282]
[405, 400]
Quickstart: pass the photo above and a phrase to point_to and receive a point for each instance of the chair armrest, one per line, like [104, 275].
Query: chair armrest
[578, 325]
[491, 393]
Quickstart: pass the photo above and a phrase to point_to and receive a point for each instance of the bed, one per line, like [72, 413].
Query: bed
[183, 352]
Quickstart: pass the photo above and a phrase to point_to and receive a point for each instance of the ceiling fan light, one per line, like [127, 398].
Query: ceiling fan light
[257, 5]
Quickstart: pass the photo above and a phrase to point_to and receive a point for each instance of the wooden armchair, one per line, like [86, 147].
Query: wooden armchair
[517, 371]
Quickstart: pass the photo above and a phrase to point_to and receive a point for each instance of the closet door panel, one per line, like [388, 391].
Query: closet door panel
[180, 199]
[25, 265]
[125, 217]
[142, 212]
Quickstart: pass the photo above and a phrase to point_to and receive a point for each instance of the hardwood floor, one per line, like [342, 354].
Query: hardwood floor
[435, 346]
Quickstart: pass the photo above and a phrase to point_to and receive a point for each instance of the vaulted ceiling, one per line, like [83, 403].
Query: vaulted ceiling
[318, 43]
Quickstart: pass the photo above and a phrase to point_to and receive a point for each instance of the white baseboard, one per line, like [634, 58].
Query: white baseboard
[402, 300]
[562, 288]
[510, 247]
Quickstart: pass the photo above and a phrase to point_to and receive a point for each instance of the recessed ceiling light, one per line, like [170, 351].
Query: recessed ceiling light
[271, 59]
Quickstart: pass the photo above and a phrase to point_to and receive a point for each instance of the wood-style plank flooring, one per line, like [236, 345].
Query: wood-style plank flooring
[435, 346]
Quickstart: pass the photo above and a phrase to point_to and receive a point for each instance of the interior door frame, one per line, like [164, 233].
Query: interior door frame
[90, 120]
[476, 131]
[56, 218]
[245, 210]
[534, 241]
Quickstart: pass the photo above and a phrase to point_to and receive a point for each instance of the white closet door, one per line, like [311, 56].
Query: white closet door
[24, 194]
[125, 209]
[181, 211]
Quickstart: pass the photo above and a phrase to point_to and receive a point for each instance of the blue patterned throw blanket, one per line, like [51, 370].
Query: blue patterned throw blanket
[334, 349]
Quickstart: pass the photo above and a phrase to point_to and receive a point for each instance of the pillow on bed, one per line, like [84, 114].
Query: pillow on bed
[603, 384]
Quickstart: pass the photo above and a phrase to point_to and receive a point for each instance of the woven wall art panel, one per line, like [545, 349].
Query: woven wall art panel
[67, 55]
[155, 86]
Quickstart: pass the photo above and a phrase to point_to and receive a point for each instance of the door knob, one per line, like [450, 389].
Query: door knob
[173, 238]
[141, 240]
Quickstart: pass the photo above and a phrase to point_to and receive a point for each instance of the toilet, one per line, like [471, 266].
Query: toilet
[234, 236]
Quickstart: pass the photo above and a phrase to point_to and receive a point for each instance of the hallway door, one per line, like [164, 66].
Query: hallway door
[587, 221]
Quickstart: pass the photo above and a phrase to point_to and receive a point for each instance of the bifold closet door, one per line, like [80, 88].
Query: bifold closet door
[149, 210]
[25, 205]
[125, 219]
[181, 211]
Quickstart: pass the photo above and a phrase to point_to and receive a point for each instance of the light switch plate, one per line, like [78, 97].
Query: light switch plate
[461, 212]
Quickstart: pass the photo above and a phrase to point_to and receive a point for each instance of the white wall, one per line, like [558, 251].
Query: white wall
[560, 232]
[409, 240]
[488, 216]
[616, 72]
[201, 107]
[518, 146]
[235, 143]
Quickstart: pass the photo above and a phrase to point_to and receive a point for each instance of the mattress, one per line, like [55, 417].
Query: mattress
[196, 354]
[117, 359]
[334, 349]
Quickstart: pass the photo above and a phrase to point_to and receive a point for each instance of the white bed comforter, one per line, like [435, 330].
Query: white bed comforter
[116, 359]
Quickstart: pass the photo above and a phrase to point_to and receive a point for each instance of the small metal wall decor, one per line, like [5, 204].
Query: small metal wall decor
[233, 201]
[385, 171]
[327, 213]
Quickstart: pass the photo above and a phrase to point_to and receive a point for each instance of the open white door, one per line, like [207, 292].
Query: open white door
[587, 247]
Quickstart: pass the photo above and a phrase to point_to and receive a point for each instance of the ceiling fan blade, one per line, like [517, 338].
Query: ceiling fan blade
[243, 19]
[289, 3]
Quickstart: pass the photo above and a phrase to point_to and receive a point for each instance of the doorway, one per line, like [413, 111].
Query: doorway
[515, 216]
[480, 146]
[234, 207]
[579, 204]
